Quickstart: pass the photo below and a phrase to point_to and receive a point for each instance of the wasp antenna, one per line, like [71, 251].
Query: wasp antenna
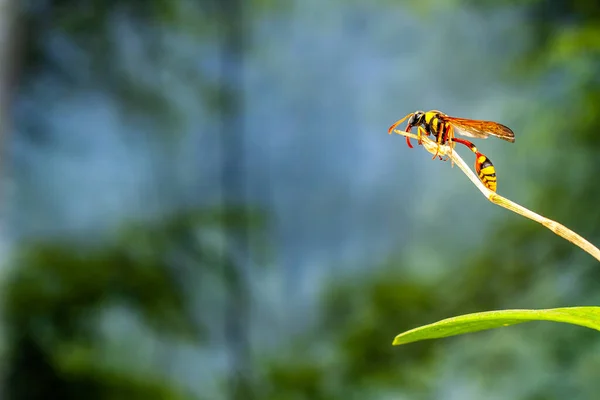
[391, 128]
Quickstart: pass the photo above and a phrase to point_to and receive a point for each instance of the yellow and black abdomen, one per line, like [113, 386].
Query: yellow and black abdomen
[486, 171]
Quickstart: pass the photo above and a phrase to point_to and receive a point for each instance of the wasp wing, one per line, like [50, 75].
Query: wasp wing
[480, 129]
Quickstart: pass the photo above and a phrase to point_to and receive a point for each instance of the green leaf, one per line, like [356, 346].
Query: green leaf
[584, 316]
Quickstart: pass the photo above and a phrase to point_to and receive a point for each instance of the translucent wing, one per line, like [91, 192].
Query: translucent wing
[480, 129]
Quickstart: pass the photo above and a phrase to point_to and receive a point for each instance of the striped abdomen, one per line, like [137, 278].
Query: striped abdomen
[486, 171]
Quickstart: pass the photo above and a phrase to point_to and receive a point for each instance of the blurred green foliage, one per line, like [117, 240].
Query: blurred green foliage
[58, 293]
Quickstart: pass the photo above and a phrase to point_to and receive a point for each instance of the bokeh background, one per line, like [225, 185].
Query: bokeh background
[200, 199]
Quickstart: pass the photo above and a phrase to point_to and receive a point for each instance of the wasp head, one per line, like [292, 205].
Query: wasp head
[417, 118]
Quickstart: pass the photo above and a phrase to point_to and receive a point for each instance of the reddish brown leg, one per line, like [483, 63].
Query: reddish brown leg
[440, 139]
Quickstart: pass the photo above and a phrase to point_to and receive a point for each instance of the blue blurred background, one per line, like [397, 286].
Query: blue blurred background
[201, 201]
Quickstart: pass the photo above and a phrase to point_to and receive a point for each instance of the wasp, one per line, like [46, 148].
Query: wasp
[443, 128]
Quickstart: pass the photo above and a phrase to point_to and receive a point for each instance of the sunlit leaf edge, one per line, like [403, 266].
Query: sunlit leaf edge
[584, 316]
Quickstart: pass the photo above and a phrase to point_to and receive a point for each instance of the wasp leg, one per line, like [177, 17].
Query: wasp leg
[449, 132]
[437, 151]
[445, 138]
[421, 132]
[441, 139]
[483, 165]
[437, 154]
